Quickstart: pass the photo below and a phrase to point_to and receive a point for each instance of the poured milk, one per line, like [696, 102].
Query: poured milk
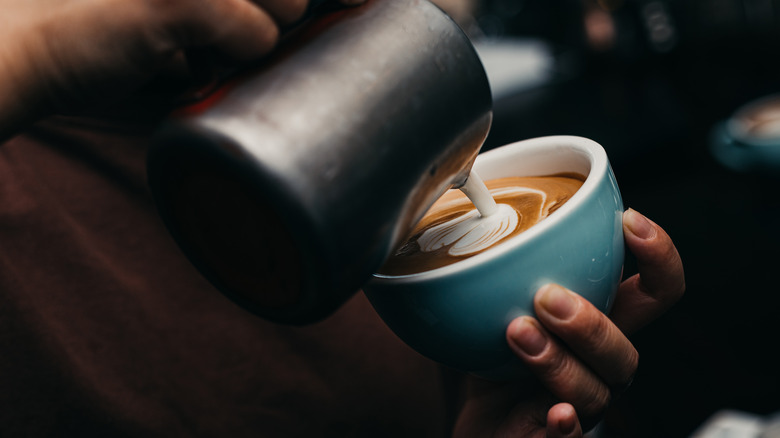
[475, 230]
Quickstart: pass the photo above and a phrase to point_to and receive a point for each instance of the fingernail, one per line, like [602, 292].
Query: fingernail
[568, 424]
[557, 301]
[528, 338]
[638, 225]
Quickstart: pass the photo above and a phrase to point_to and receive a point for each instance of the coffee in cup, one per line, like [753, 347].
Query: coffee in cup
[458, 314]
[454, 228]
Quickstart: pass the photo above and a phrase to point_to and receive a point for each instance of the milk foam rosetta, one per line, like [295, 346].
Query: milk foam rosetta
[453, 229]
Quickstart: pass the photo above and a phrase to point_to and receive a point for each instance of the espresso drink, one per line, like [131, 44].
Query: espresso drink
[454, 229]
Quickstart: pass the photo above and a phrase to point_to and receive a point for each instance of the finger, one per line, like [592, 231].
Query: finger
[562, 422]
[557, 368]
[590, 334]
[237, 29]
[284, 11]
[660, 282]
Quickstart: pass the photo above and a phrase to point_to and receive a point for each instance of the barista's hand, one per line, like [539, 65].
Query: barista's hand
[581, 357]
[57, 54]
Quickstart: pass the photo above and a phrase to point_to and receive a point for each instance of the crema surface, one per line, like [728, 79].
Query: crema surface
[453, 229]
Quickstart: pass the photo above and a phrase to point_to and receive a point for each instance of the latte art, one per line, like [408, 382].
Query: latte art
[470, 233]
[453, 228]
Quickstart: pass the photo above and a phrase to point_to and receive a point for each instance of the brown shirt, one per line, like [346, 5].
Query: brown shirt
[106, 329]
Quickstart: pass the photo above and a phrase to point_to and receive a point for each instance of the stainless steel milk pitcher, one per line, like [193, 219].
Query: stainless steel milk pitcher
[289, 185]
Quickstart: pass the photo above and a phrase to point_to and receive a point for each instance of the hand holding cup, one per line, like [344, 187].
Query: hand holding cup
[582, 359]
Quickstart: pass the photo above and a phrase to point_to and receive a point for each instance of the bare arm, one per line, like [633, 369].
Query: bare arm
[57, 55]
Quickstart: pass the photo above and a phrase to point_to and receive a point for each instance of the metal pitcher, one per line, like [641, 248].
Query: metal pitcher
[291, 183]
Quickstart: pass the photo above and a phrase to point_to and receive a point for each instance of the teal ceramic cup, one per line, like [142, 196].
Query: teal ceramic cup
[458, 314]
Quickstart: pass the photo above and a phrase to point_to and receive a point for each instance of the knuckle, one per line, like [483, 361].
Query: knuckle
[625, 374]
[592, 331]
[293, 10]
[597, 403]
[163, 5]
[555, 369]
[666, 293]
[554, 366]
[588, 394]
[676, 271]
[678, 291]
[172, 18]
[600, 338]
[268, 38]
[633, 365]
[167, 10]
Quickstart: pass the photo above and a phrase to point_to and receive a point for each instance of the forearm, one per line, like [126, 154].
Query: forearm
[61, 55]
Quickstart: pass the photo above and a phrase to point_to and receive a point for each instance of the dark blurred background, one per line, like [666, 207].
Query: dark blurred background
[649, 80]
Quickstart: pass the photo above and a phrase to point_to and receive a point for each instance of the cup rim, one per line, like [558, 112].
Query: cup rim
[597, 159]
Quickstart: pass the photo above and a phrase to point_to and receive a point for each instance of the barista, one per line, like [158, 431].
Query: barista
[106, 330]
